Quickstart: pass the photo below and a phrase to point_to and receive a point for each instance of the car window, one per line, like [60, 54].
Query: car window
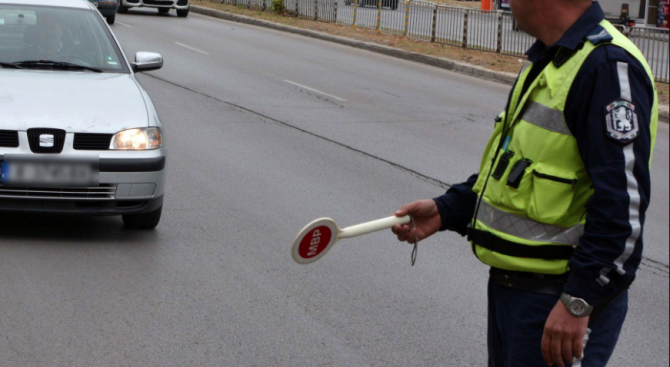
[76, 36]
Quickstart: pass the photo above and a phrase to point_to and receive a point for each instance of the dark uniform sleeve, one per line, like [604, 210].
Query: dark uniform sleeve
[457, 206]
[611, 85]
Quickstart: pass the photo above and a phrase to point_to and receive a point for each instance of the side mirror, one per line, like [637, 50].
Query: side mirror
[147, 61]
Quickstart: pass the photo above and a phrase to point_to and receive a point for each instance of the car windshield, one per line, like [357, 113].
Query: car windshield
[61, 38]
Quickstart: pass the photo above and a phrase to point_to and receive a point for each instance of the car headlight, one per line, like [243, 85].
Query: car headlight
[137, 139]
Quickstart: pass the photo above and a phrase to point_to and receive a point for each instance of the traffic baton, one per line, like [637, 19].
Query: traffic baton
[318, 237]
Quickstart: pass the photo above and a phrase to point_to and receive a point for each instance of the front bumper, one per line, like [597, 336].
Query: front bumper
[92, 207]
[170, 4]
[129, 183]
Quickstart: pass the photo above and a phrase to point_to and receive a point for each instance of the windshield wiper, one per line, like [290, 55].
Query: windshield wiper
[55, 64]
[9, 65]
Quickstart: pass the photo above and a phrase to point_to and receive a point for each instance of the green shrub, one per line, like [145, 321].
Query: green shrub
[278, 6]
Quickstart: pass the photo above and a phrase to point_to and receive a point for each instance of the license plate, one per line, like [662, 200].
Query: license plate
[49, 173]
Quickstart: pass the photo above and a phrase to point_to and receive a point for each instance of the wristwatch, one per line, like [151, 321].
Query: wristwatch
[577, 306]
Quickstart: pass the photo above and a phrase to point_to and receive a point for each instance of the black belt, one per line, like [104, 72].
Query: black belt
[494, 243]
[552, 285]
[530, 282]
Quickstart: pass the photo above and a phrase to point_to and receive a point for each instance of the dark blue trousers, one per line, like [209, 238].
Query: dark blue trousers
[516, 326]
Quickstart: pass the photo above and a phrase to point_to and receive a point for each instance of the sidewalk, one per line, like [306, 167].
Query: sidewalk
[485, 65]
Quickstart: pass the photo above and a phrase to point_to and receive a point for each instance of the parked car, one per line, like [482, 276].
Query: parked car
[163, 6]
[107, 8]
[393, 4]
[78, 133]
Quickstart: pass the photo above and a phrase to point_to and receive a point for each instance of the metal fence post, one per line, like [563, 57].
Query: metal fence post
[379, 15]
[353, 25]
[500, 33]
[336, 1]
[316, 9]
[433, 34]
[465, 29]
[406, 19]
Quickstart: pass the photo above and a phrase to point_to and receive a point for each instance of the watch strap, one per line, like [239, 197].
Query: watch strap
[569, 301]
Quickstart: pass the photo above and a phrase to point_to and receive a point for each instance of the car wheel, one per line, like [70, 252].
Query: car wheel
[111, 19]
[143, 221]
[183, 13]
[163, 10]
[122, 8]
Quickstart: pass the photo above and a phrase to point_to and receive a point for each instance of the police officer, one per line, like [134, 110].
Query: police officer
[558, 207]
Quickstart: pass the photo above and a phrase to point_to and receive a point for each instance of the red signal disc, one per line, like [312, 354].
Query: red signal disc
[313, 244]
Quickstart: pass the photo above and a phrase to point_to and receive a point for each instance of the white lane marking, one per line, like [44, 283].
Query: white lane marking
[315, 90]
[123, 24]
[191, 48]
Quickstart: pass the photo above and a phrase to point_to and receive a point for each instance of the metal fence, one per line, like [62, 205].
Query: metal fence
[654, 45]
[492, 31]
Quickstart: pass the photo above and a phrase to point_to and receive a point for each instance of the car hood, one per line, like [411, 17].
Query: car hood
[73, 101]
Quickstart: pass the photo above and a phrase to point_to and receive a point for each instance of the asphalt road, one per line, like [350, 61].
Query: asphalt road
[266, 132]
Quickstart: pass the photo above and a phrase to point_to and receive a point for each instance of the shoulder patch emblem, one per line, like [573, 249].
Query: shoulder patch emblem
[622, 124]
[599, 35]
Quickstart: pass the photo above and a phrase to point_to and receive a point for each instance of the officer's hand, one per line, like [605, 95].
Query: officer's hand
[427, 219]
[563, 339]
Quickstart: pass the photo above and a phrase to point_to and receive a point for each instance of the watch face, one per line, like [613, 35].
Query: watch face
[578, 307]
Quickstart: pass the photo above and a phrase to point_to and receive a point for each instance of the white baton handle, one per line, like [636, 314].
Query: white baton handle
[374, 226]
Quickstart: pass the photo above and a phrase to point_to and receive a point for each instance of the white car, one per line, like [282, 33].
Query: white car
[78, 133]
[163, 6]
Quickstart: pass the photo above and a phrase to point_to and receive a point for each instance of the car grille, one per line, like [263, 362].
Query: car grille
[92, 141]
[159, 2]
[103, 192]
[34, 140]
[9, 139]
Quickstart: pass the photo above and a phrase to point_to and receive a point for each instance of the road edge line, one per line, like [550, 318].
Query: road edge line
[442, 63]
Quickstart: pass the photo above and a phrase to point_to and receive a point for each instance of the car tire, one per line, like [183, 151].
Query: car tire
[111, 19]
[143, 221]
[183, 13]
[163, 11]
[122, 8]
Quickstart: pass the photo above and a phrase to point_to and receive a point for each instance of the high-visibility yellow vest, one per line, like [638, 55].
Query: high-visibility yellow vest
[533, 210]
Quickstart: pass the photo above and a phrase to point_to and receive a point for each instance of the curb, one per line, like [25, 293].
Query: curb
[664, 113]
[462, 68]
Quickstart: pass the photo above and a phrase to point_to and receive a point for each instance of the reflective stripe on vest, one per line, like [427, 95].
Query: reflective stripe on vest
[546, 118]
[528, 229]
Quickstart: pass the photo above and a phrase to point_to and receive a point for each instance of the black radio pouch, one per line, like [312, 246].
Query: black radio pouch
[518, 171]
[502, 165]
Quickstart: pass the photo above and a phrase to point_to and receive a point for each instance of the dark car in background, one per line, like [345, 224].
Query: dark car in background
[107, 8]
[164, 6]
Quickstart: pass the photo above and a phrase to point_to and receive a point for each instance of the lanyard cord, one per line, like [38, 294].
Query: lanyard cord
[503, 137]
[415, 251]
